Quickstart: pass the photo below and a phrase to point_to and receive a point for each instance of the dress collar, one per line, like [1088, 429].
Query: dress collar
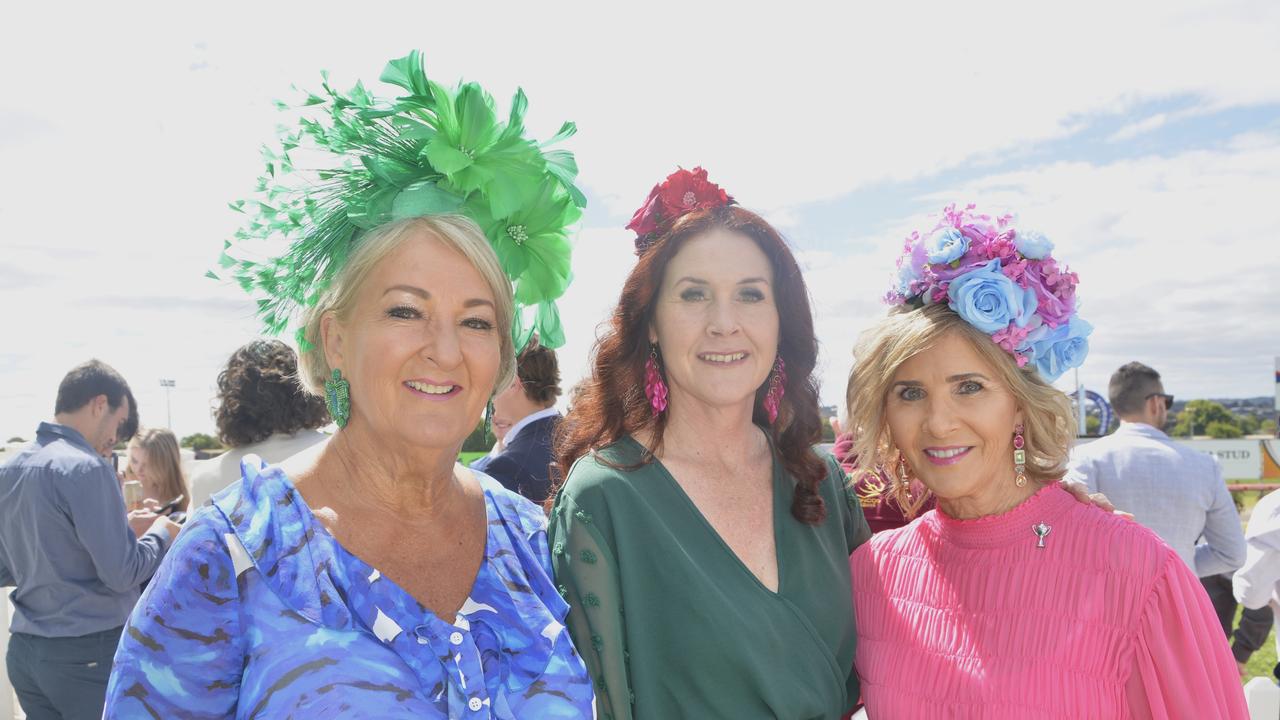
[1046, 506]
[306, 568]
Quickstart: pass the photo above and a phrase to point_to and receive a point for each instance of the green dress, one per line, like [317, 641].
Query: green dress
[673, 625]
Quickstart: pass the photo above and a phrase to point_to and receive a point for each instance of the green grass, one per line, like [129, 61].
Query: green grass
[466, 458]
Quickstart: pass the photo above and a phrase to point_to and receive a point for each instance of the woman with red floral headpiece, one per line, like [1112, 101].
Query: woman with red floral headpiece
[701, 542]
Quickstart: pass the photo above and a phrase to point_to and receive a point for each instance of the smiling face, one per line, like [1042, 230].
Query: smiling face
[420, 347]
[715, 320]
[954, 421]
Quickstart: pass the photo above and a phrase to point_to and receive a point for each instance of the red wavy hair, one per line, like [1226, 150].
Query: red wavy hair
[612, 402]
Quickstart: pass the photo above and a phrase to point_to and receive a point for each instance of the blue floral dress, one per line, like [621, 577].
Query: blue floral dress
[258, 612]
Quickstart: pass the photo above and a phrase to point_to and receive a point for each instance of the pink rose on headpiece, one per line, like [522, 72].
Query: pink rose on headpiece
[682, 192]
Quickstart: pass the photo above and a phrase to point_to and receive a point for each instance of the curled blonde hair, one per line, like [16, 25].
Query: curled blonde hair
[454, 231]
[903, 334]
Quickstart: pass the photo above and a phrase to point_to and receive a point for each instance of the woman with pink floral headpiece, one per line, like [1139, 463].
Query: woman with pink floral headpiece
[1010, 599]
[700, 540]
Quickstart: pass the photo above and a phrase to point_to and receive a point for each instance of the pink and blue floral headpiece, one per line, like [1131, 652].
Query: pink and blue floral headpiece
[1001, 280]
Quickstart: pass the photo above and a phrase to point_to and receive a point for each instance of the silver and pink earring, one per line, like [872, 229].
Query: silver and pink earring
[1019, 457]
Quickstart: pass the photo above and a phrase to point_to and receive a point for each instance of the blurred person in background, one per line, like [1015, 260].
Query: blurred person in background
[1174, 490]
[262, 410]
[526, 416]
[75, 555]
[1257, 582]
[872, 489]
[156, 461]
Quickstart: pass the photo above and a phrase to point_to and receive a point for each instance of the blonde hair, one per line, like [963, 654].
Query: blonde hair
[164, 462]
[904, 333]
[455, 232]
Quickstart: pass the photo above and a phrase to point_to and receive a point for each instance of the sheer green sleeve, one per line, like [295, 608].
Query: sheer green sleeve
[856, 529]
[587, 576]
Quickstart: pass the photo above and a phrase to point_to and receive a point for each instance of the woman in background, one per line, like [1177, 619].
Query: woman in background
[262, 410]
[156, 461]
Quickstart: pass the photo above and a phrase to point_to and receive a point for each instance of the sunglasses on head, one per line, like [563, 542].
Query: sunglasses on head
[1168, 399]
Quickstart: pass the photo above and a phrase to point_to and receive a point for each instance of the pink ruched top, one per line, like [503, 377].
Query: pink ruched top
[972, 619]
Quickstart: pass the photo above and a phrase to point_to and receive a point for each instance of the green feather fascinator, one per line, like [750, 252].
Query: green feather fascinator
[363, 161]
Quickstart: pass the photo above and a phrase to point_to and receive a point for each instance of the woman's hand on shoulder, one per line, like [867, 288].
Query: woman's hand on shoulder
[1081, 493]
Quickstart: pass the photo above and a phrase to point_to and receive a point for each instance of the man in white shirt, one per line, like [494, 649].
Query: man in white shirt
[1174, 490]
[1257, 582]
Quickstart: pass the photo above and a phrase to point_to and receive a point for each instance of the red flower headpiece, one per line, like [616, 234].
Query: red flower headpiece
[681, 193]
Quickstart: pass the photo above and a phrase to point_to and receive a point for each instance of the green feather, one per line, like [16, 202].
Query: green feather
[431, 150]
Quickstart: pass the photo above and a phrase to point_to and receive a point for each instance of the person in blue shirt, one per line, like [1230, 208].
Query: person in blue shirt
[76, 557]
[373, 576]
[527, 410]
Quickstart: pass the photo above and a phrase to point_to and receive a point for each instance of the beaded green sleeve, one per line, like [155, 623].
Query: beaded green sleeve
[586, 574]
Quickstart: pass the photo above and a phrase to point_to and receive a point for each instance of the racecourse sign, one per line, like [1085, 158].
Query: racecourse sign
[1244, 459]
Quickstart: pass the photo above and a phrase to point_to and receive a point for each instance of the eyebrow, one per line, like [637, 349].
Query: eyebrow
[412, 290]
[953, 378]
[700, 281]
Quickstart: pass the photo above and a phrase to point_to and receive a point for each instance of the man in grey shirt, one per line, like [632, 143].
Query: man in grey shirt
[76, 557]
[1174, 490]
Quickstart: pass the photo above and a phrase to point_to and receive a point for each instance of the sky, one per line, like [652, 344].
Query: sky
[1143, 138]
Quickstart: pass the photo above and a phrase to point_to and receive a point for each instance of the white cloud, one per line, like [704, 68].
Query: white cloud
[1176, 257]
[123, 138]
[1146, 125]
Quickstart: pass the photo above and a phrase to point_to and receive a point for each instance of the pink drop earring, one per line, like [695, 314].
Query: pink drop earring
[777, 388]
[654, 387]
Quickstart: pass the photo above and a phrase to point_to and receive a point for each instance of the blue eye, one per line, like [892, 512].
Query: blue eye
[911, 393]
[969, 387]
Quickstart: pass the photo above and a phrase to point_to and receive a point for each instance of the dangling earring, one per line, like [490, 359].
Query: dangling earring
[1019, 457]
[903, 481]
[777, 388]
[337, 398]
[488, 418]
[654, 387]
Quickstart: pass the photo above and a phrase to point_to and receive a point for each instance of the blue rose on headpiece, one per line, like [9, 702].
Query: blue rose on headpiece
[906, 276]
[945, 246]
[989, 301]
[1056, 350]
[1032, 245]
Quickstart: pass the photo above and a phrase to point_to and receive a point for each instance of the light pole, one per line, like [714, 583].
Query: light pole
[168, 408]
[1082, 426]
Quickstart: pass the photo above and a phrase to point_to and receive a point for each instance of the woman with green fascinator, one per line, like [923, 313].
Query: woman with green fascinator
[377, 578]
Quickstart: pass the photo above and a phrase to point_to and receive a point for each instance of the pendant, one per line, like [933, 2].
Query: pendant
[1041, 530]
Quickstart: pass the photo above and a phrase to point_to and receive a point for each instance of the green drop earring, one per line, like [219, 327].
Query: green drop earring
[337, 397]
